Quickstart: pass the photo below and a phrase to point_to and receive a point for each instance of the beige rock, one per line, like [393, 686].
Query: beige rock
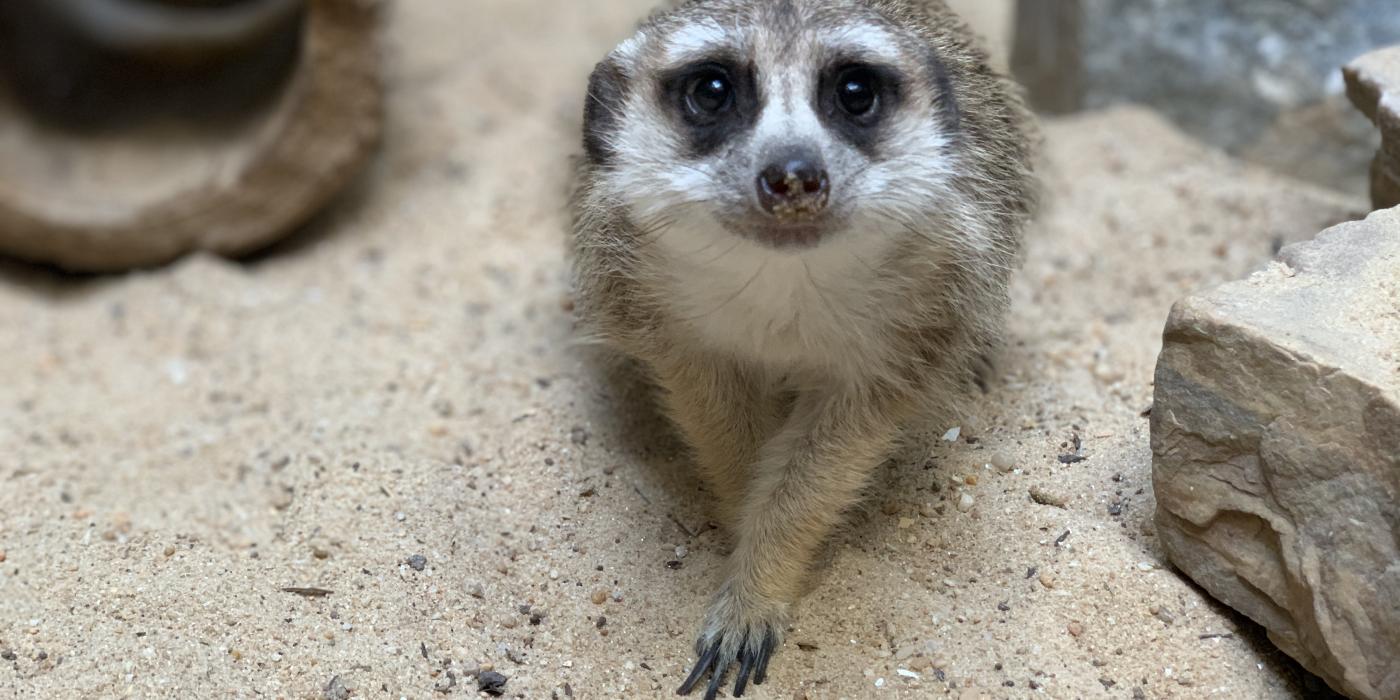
[1276, 443]
[145, 195]
[1373, 83]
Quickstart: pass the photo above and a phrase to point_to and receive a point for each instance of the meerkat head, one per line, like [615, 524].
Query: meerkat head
[788, 123]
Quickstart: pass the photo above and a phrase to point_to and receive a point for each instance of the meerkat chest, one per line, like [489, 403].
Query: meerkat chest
[787, 311]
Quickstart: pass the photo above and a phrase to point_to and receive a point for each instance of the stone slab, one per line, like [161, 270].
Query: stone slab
[1276, 444]
[1373, 83]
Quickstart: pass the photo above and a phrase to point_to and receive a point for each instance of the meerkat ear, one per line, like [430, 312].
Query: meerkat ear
[602, 110]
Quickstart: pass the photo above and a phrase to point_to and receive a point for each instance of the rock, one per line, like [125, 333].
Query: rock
[1047, 498]
[1249, 77]
[1373, 83]
[335, 690]
[145, 192]
[966, 502]
[1276, 446]
[491, 683]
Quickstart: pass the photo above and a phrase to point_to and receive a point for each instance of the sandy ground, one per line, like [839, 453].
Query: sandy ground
[389, 408]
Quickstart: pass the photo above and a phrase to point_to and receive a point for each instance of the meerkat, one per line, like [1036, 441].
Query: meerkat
[801, 216]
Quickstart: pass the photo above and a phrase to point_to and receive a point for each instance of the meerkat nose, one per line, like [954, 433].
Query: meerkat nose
[795, 185]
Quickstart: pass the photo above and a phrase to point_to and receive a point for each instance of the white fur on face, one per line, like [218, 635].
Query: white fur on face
[789, 308]
[869, 40]
[696, 41]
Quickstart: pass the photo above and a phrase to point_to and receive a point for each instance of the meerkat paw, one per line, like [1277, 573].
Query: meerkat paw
[741, 630]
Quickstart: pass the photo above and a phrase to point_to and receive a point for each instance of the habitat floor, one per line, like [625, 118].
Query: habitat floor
[387, 415]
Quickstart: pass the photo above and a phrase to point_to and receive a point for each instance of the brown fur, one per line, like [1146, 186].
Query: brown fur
[786, 452]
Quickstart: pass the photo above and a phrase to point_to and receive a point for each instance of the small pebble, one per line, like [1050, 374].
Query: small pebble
[335, 690]
[491, 683]
[1076, 629]
[399, 516]
[1047, 580]
[600, 596]
[953, 435]
[418, 562]
[966, 502]
[1047, 498]
[169, 552]
[579, 435]
[1108, 374]
[681, 551]
[1002, 462]
[554, 574]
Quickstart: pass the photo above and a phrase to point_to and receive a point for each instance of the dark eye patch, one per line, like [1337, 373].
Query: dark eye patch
[607, 92]
[947, 102]
[712, 101]
[856, 99]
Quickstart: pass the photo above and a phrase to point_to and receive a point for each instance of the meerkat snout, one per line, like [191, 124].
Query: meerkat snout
[794, 186]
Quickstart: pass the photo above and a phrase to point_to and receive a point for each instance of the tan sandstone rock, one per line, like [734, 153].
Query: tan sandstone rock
[1373, 82]
[1276, 443]
[144, 194]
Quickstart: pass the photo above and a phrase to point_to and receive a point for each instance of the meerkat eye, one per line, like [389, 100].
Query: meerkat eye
[709, 92]
[858, 91]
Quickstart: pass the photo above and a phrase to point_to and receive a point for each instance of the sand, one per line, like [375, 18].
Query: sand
[390, 409]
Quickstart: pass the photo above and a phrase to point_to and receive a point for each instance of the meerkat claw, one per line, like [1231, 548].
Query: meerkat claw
[746, 662]
[707, 660]
[761, 673]
[712, 691]
[751, 657]
[754, 661]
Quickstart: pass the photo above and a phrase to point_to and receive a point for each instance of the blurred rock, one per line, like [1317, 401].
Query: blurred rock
[1276, 443]
[1226, 72]
[160, 180]
[1373, 83]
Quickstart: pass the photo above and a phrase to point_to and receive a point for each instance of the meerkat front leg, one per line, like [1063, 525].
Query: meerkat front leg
[805, 477]
[725, 412]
